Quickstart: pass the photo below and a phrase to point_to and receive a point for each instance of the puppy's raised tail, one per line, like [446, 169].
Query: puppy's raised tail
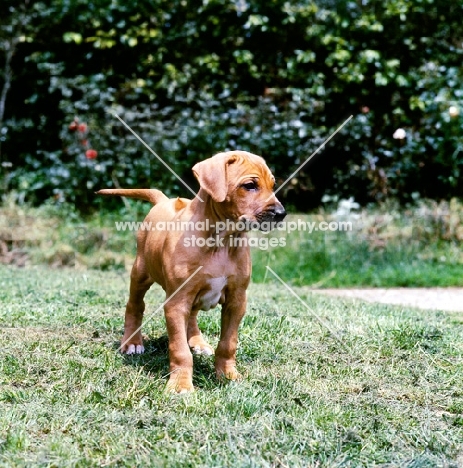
[150, 195]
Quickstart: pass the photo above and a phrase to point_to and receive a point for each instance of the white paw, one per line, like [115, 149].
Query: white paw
[132, 349]
[206, 351]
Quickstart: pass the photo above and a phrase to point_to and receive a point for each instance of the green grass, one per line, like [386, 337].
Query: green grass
[341, 259]
[389, 393]
[388, 246]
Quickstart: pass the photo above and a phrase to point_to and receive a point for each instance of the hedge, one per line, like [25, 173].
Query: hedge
[196, 77]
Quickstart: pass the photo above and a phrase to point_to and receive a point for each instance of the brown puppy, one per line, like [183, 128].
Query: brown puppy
[234, 186]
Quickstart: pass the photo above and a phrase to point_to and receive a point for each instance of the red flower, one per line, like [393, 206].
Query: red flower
[82, 127]
[91, 154]
[72, 126]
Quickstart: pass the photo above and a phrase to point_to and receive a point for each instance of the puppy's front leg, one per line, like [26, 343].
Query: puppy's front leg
[177, 313]
[233, 311]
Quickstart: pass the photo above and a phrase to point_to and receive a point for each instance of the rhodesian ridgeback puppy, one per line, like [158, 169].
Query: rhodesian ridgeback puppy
[197, 264]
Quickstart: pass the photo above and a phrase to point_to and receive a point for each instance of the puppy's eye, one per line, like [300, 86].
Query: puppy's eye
[250, 186]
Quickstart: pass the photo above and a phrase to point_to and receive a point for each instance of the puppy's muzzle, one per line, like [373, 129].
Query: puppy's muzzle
[271, 216]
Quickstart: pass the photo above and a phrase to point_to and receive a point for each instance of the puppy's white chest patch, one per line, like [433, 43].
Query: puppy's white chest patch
[211, 296]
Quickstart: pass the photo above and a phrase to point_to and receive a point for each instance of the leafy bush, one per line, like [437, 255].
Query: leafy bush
[194, 78]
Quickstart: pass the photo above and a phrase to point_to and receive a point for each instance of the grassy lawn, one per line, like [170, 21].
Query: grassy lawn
[389, 393]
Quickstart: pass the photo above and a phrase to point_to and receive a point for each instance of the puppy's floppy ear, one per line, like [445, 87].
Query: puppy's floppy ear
[212, 175]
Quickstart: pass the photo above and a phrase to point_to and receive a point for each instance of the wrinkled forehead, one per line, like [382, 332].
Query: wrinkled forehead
[251, 166]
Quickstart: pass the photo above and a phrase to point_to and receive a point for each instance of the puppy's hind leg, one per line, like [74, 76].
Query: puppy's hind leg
[195, 338]
[140, 282]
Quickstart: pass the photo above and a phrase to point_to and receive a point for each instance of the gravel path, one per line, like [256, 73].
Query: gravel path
[450, 299]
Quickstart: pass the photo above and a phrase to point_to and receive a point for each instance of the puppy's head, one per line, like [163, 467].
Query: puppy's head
[241, 185]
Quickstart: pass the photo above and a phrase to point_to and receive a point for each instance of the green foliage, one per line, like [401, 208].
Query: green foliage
[195, 78]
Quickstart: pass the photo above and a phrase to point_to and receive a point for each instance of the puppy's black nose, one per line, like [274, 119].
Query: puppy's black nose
[280, 214]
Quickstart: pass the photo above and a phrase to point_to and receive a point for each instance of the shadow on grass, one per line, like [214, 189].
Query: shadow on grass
[155, 361]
